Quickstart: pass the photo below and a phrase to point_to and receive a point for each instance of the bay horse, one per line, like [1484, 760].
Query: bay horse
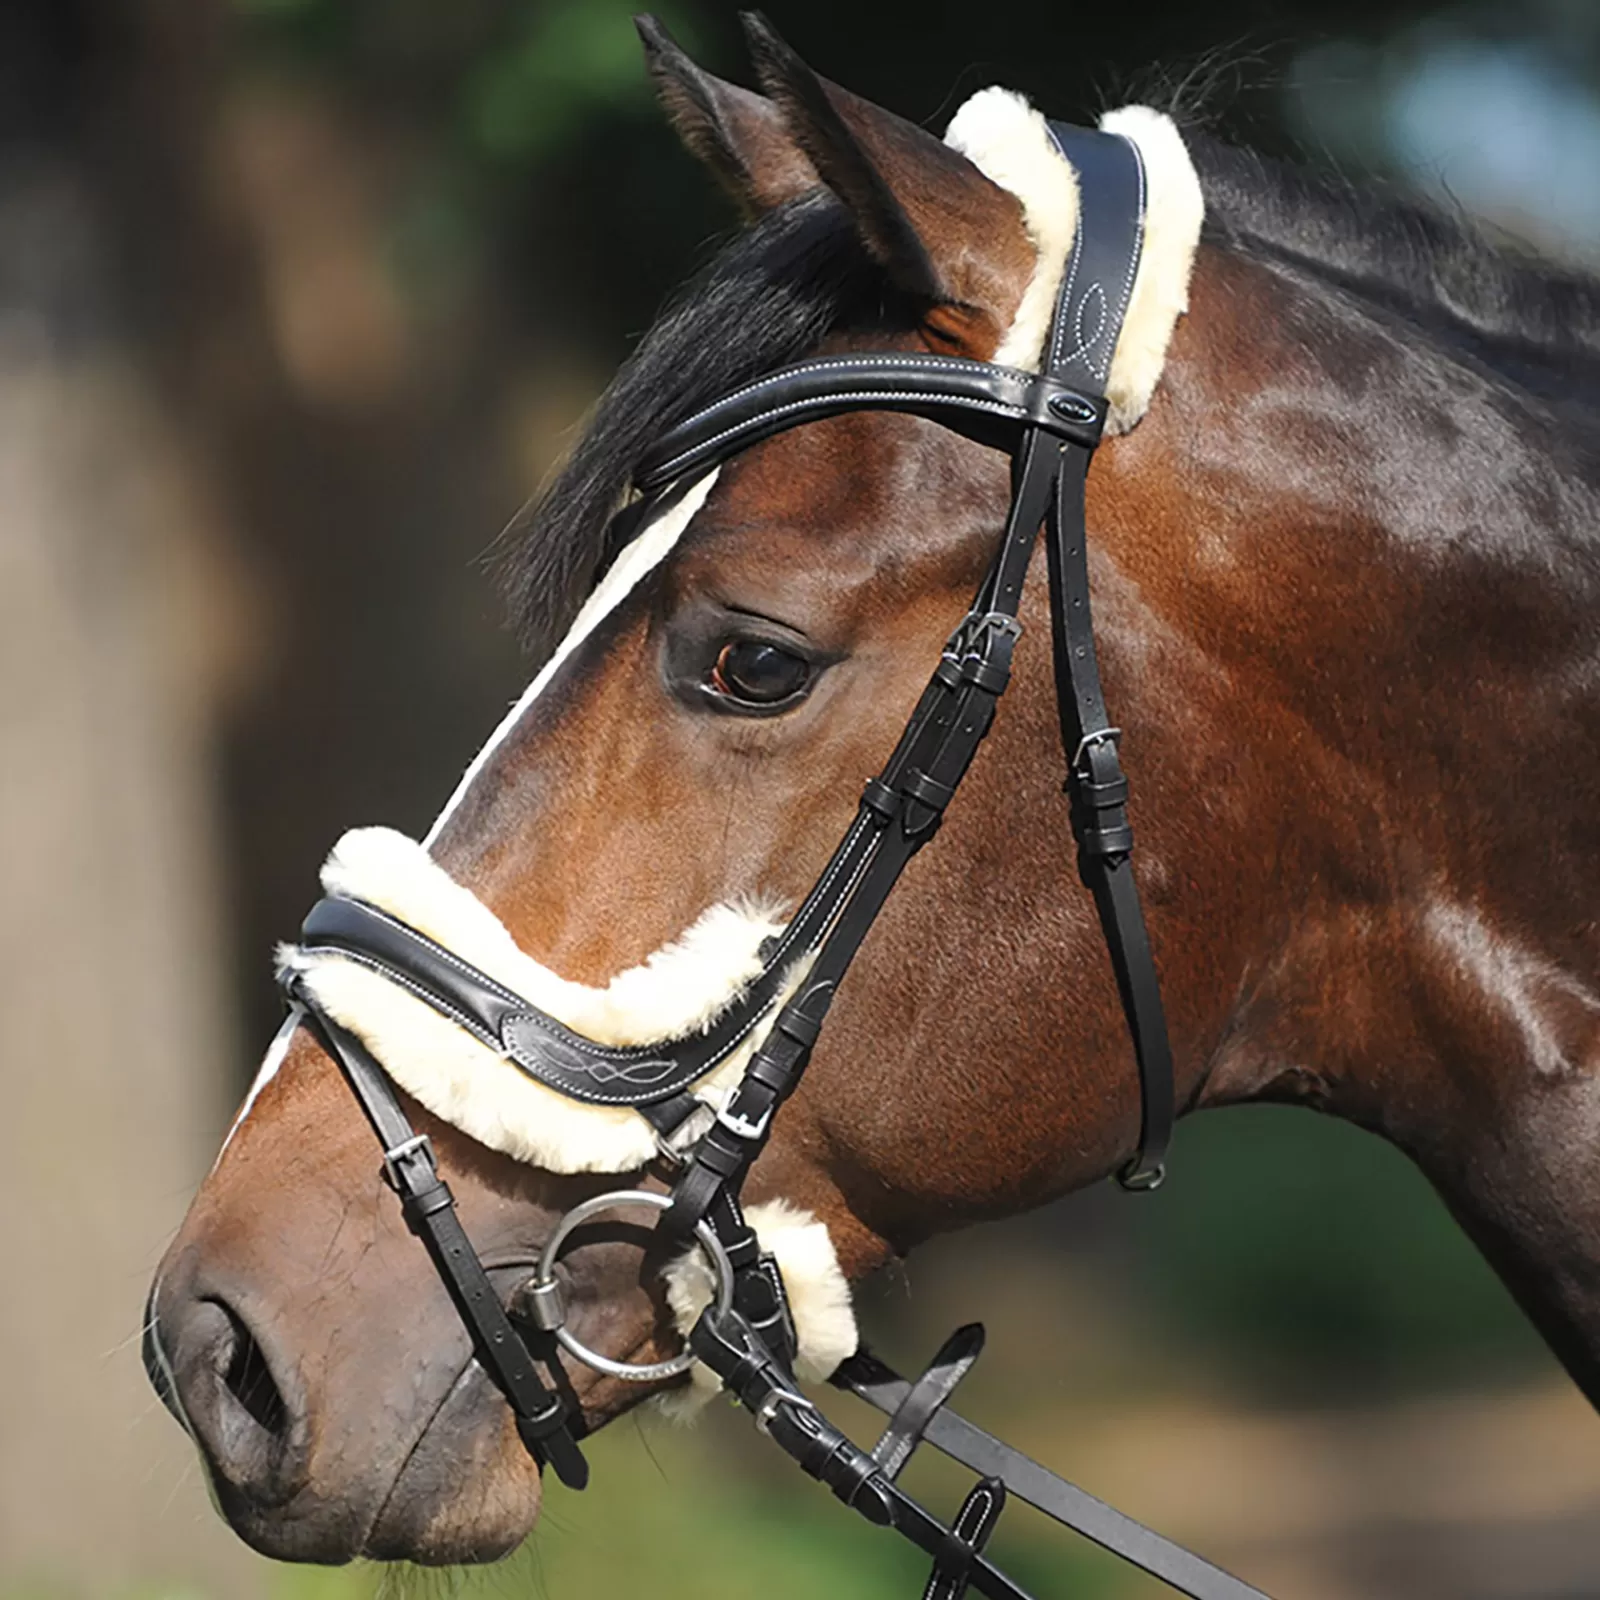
[1347, 591]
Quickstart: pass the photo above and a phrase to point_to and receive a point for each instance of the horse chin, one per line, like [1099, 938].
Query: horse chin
[468, 1491]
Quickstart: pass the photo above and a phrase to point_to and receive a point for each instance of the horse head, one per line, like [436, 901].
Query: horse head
[725, 665]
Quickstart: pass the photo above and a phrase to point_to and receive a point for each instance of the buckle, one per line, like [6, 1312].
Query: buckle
[417, 1144]
[1089, 741]
[774, 1403]
[974, 632]
[743, 1127]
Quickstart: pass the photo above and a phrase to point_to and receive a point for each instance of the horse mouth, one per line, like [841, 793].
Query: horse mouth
[466, 1492]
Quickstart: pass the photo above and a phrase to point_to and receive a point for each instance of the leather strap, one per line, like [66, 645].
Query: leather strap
[924, 1398]
[974, 398]
[865, 1376]
[429, 1209]
[1093, 300]
[1098, 281]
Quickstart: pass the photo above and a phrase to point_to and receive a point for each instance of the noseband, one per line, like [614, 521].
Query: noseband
[1049, 422]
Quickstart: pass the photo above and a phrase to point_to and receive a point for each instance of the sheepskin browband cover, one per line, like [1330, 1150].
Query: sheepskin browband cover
[678, 991]
[1009, 142]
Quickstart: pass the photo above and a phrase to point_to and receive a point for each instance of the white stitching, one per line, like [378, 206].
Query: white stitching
[674, 466]
[910, 363]
[1102, 370]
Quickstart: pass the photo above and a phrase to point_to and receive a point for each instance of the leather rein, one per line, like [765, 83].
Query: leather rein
[1050, 423]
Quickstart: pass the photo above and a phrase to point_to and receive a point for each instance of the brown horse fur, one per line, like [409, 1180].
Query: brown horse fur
[1346, 587]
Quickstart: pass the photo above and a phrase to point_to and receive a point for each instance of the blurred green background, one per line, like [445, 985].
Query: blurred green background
[299, 299]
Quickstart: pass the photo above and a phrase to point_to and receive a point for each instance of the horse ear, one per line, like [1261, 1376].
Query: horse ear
[941, 230]
[737, 133]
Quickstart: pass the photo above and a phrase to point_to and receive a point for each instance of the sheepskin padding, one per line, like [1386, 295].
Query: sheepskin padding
[680, 990]
[1009, 142]
[819, 1298]
[1175, 210]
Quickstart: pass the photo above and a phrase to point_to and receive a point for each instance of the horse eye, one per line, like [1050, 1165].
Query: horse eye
[758, 673]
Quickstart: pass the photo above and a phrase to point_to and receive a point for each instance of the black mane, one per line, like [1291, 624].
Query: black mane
[1536, 323]
[770, 297]
[778, 289]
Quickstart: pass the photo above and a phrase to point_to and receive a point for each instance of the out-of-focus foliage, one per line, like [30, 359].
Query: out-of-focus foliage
[1304, 1258]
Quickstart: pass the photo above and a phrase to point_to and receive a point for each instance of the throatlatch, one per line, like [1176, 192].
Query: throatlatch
[1050, 422]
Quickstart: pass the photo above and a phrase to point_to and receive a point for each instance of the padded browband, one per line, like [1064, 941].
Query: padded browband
[994, 405]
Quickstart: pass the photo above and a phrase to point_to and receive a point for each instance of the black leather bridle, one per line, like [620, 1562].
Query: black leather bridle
[1050, 423]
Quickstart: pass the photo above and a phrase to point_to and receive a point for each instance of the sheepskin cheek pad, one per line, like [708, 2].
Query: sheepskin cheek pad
[687, 984]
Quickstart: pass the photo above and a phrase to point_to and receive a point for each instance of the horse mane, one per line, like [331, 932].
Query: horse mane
[779, 288]
[770, 296]
[1534, 323]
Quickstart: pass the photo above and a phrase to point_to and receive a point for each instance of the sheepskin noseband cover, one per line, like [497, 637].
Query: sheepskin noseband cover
[681, 989]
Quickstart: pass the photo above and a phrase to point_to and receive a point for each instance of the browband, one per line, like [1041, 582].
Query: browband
[990, 404]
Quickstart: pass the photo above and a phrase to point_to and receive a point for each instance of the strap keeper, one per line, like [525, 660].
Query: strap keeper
[417, 1208]
[1099, 796]
[933, 794]
[1098, 840]
[879, 798]
[990, 676]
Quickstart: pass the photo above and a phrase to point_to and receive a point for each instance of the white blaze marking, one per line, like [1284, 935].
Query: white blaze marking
[636, 561]
[268, 1070]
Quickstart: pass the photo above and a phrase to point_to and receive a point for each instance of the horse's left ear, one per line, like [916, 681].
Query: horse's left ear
[941, 230]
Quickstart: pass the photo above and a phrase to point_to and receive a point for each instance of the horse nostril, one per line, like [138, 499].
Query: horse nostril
[234, 1402]
[250, 1381]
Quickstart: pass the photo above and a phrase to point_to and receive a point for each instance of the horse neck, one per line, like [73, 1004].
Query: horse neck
[1373, 760]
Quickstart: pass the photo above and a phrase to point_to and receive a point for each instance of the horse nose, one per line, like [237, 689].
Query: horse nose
[219, 1376]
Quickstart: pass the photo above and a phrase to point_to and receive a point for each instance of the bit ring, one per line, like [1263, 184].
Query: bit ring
[710, 1245]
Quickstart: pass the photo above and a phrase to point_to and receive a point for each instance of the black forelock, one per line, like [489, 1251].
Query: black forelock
[769, 298]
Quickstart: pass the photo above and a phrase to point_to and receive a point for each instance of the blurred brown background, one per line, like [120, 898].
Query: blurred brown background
[298, 300]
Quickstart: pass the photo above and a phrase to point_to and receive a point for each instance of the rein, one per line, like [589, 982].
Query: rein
[1050, 424]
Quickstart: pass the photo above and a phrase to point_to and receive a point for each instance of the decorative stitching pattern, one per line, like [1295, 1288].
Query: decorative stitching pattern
[1130, 272]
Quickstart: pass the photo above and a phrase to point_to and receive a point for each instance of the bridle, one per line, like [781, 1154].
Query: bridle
[1050, 422]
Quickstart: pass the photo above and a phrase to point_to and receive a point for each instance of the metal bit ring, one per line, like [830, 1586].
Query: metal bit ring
[710, 1245]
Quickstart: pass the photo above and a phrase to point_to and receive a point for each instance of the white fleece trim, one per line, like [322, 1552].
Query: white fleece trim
[1009, 142]
[819, 1298]
[678, 991]
[1175, 209]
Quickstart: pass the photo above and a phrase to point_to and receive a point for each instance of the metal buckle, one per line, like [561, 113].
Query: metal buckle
[1090, 740]
[743, 1127]
[418, 1142]
[769, 1408]
[545, 1281]
[975, 630]
[1145, 1181]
